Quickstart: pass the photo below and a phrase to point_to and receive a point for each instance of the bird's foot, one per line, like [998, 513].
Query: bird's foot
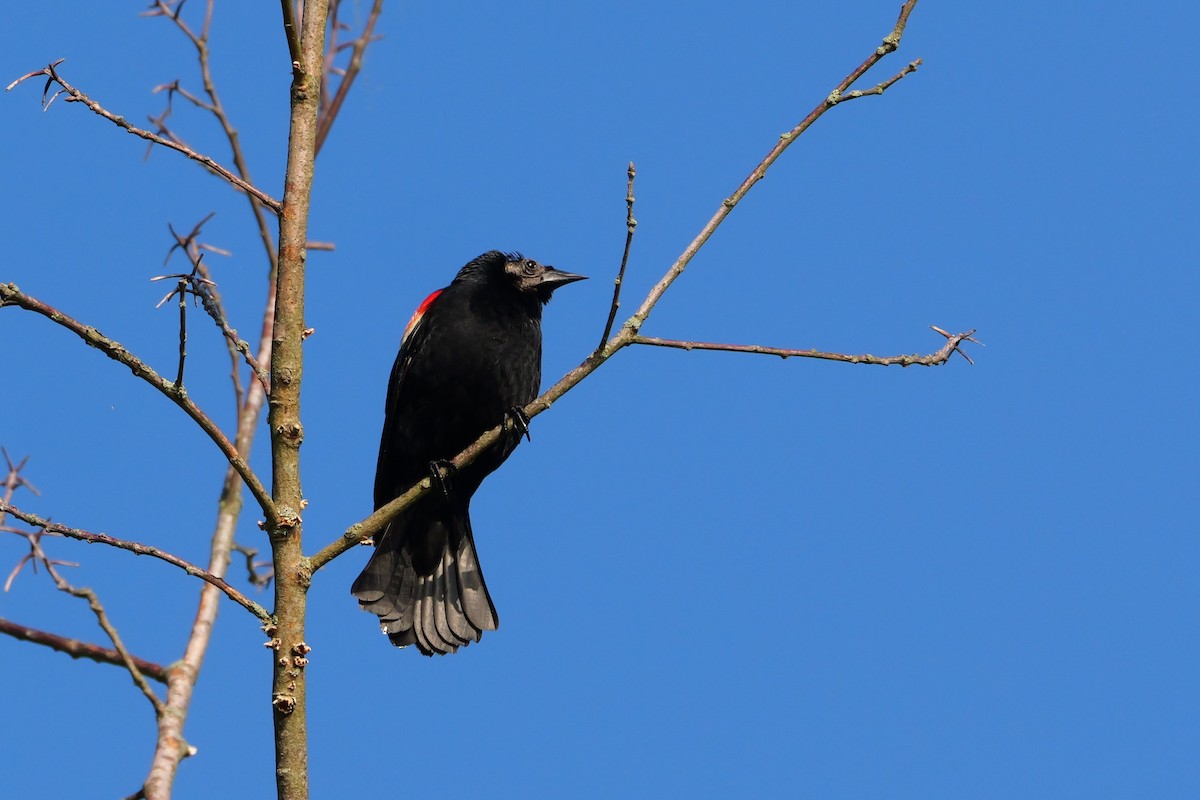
[441, 470]
[515, 419]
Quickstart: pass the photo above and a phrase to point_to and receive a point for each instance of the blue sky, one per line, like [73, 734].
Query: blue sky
[717, 575]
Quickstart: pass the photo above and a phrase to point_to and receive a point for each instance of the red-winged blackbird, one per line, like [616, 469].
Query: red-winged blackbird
[470, 359]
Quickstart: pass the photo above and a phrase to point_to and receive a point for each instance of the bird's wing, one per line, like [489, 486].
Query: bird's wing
[418, 315]
[392, 466]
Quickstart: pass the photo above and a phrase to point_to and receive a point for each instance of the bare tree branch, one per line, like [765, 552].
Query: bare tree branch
[182, 289]
[211, 302]
[138, 549]
[291, 32]
[930, 360]
[75, 95]
[879, 88]
[78, 649]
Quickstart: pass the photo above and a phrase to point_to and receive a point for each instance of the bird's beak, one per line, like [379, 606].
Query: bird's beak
[553, 278]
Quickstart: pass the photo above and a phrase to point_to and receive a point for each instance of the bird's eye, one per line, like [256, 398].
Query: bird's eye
[529, 267]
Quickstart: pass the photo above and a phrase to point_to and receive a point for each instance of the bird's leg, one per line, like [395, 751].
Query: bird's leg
[441, 470]
[515, 419]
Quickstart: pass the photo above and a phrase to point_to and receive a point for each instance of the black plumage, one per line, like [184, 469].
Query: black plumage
[470, 357]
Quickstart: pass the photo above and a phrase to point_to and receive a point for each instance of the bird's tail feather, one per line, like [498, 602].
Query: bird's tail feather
[439, 609]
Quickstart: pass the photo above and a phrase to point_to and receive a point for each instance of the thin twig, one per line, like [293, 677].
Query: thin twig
[75, 95]
[11, 295]
[183, 286]
[15, 480]
[961, 337]
[188, 283]
[138, 549]
[210, 302]
[187, 243]
[630, 225]
[878, 88]
[79, 649]
[175, 88]
[258, 579]
[930, 360]
[162, 9]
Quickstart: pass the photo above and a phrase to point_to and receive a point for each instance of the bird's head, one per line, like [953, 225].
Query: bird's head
[532, 277]
[529, 277]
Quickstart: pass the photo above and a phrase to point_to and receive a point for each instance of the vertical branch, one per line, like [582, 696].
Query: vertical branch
[183, 286]
[630, 227]
[291, 571]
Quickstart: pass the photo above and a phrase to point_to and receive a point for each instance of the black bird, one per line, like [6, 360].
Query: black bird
[470, 359]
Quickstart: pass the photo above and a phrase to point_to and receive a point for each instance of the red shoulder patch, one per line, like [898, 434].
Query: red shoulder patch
[420, 312]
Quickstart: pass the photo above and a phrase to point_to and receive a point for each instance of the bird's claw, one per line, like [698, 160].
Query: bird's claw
[441, 470]
[516, 419]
